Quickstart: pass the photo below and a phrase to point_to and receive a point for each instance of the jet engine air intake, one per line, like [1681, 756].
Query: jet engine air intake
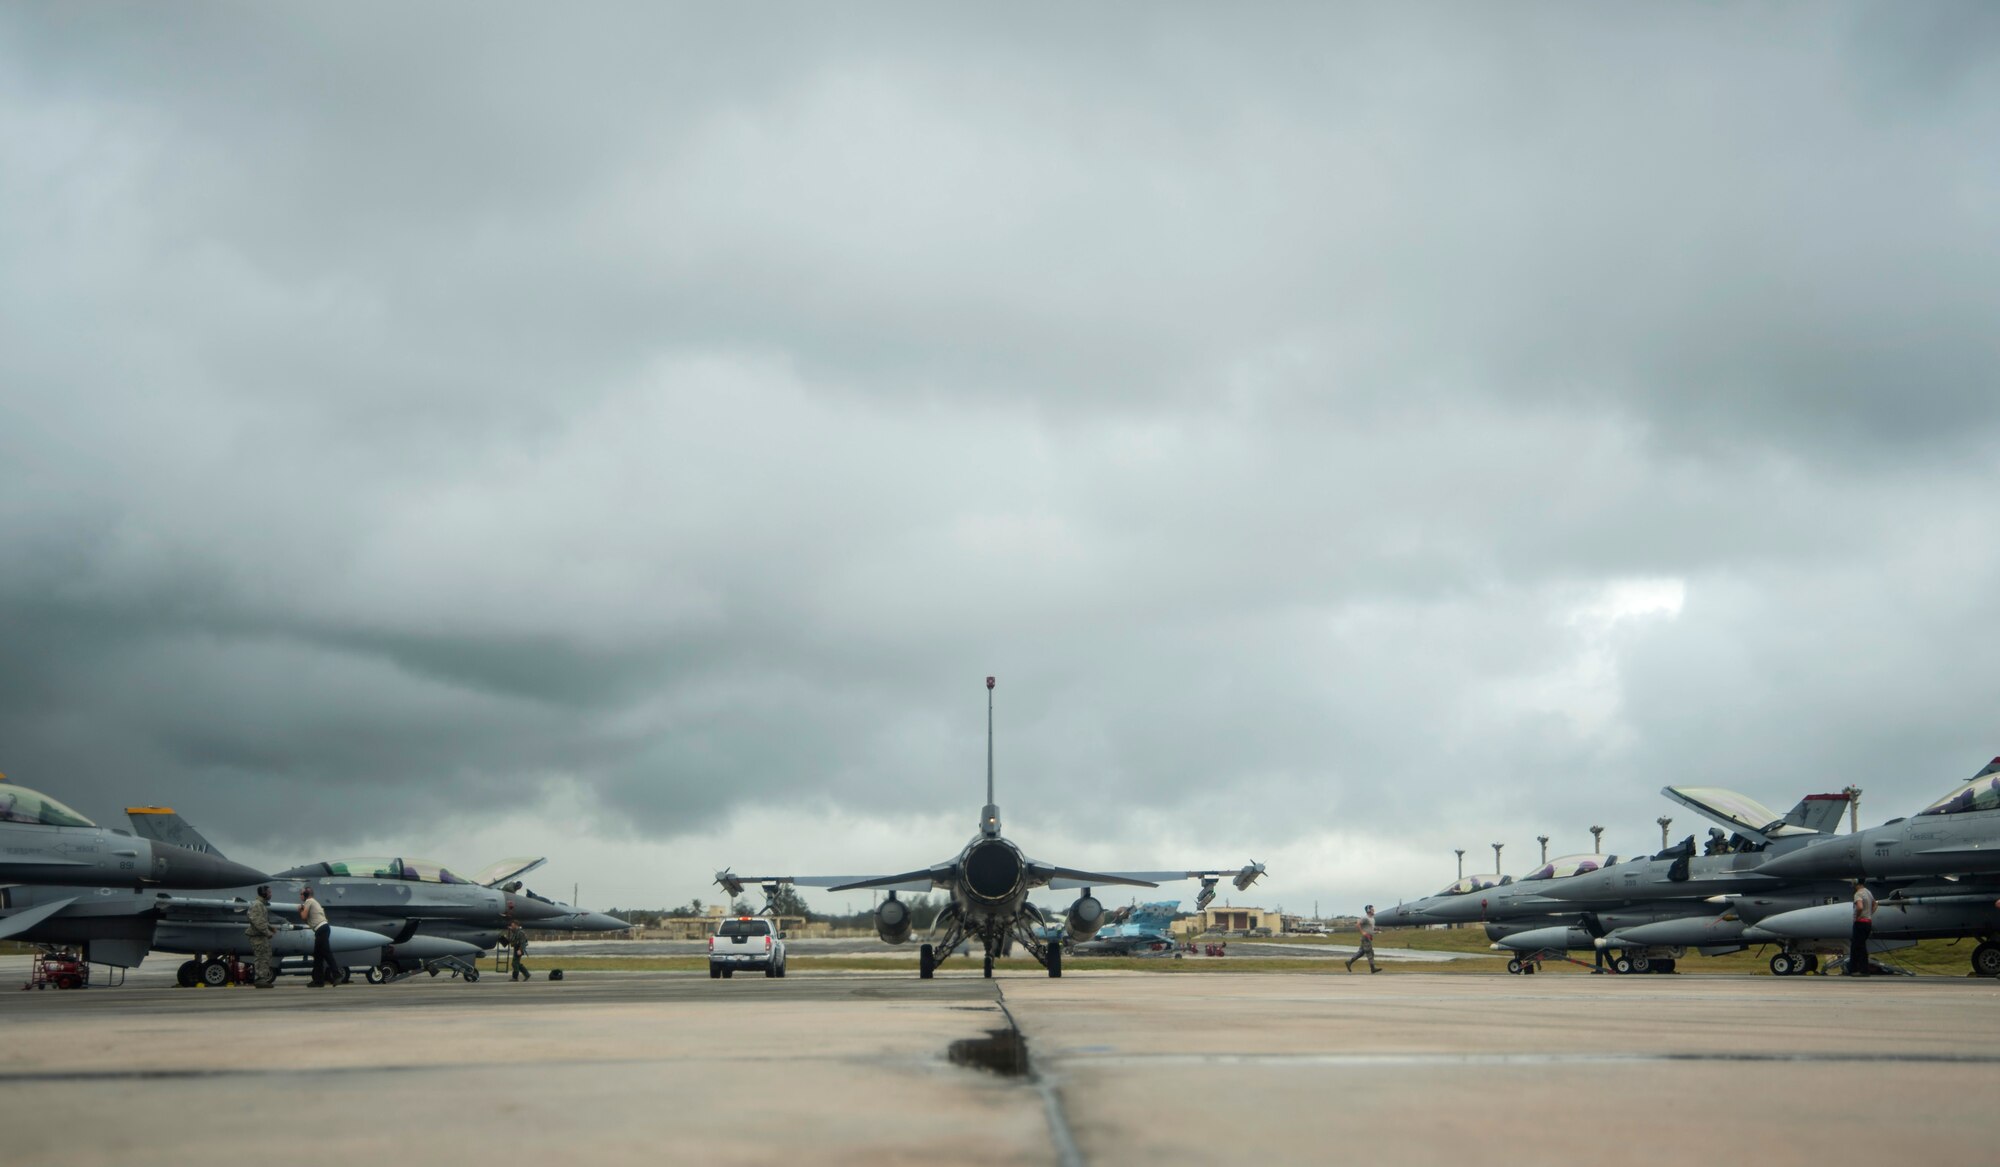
[892, 920]
[1086, 916]
[993, 870]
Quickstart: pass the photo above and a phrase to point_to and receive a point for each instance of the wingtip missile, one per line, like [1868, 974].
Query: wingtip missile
[1249, 875]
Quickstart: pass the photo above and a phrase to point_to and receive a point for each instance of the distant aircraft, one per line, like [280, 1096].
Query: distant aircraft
[989, 881]
[1142, 930]
[44, 842]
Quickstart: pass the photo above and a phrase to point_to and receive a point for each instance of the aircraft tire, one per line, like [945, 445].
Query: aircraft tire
[926, 962]
[1055, 961]
[1986, 960]
[1514, 965]
[215, 973]
[471, 974]
[1781, 965]
[188, 975]
[1664, 965]
[1641, 963]
[373, 976]
[1811, 963]
[1622, 965]
[987, 966]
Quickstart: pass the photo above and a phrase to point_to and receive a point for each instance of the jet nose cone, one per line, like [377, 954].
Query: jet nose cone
[601, 922]
[528, 909]
[1829, 860]
[179, 867]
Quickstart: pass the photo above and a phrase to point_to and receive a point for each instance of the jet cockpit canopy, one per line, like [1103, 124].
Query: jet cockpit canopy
[1473, 883]
[1982, 793]
[18, 804]
[377, 867]
[1569, 865]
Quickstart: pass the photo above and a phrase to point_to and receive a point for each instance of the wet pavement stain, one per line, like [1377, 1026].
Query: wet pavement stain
[1002, 1051]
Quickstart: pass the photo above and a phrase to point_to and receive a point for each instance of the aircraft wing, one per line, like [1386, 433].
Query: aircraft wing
[1061, 878]
[27, 918]
[923, 880]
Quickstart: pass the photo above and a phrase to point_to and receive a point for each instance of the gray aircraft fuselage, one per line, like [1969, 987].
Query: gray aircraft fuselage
[1959, 834]
[73, 851]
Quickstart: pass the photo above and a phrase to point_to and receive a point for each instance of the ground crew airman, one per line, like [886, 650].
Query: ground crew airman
[260, 933]
[314, 917]
[1864, 923]
[517, 942]
[1367, 948]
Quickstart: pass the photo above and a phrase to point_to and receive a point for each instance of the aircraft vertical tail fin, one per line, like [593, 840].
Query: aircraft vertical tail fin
[1818, 812]
[162, 825]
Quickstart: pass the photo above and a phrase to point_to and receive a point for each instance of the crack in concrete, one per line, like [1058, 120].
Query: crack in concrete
[1060, 1135]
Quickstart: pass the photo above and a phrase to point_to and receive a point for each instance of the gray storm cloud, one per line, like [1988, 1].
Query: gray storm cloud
[404, 412]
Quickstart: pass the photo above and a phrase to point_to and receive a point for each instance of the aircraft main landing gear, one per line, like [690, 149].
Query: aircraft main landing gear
[926, 962]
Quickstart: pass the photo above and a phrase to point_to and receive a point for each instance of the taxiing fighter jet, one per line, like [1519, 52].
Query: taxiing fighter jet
[44, 842]
[989, 881]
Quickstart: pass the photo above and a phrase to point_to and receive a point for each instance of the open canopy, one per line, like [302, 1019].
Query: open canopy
[1737, 811]
[18, 804]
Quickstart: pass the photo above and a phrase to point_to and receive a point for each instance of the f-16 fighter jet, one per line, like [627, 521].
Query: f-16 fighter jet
[44, 842]
[122, 928]
[412, 904]
[989, 881]
[1959, 834]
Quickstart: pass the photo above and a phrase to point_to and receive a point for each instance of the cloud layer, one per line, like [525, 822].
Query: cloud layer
[1349, 434]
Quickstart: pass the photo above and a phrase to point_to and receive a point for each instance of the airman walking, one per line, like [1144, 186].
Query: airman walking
[1367, 948]
[517, 942]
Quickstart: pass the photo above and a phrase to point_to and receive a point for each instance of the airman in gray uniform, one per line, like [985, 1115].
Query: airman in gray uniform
[260, 933]
[1367, 948]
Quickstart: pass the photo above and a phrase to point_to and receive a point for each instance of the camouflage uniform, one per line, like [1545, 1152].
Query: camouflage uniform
[517, 940]
[1367, 948]
[260, 933]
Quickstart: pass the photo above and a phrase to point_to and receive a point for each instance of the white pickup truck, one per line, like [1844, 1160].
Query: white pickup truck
[747, 942]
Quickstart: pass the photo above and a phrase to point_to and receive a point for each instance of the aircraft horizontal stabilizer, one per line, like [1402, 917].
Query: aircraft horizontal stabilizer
[20, 922]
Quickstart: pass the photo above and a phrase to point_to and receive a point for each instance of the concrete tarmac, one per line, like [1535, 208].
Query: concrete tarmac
[1124, 1067]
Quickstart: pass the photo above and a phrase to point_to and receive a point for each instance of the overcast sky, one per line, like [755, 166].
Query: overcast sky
[1348, 432]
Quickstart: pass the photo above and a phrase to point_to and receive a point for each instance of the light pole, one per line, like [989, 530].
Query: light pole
[1665, 822]
[1496, 857]
[1853, 794]
[1597, 840]
[1544, 841]
[1460, 852]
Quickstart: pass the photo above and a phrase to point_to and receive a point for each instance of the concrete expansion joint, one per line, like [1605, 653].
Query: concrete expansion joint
[1060, 1136]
